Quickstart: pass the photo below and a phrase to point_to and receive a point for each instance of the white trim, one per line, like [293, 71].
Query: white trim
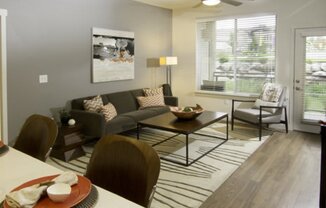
[299, 34]
[206, 19]
[3, 75]
[3, 12]
[226, 94]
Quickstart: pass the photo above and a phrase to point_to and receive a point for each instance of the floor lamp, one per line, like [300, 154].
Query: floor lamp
[168, 61]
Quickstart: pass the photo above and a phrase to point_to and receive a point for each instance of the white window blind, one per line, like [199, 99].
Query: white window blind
[236, 55]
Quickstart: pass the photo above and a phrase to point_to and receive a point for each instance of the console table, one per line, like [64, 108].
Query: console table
[68, 143]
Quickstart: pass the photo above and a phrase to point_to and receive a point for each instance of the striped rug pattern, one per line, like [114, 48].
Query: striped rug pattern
[188, 187]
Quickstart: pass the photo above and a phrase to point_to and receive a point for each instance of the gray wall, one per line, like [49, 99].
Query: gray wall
[54, 38]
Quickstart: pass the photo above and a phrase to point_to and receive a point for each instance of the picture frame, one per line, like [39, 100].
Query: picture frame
[112, 55]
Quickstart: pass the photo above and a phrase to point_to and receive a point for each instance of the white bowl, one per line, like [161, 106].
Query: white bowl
[59, 192]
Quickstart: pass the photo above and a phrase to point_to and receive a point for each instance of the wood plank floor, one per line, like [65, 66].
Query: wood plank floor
[283, 172]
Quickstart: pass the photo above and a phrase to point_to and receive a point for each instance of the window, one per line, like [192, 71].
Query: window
[236, 55]
[315, 79]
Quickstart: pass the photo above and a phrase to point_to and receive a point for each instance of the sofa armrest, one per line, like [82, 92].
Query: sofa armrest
[93, 123]
[171, 100]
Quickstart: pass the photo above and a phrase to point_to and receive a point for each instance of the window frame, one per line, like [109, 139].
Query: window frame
[199, 91]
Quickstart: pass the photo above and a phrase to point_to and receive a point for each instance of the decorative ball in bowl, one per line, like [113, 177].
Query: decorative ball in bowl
[59, 192]
[187, 113]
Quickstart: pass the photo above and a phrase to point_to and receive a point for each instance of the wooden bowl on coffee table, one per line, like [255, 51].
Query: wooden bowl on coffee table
[187, 115]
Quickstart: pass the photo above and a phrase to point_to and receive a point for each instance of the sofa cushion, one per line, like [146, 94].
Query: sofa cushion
[137, 93]
[123, 101]
[156, 100]
[119, 124]
[159, 110]
[94, 104]
[140, 114]
[108, 111]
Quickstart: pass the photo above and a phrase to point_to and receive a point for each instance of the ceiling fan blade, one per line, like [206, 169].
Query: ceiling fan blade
[232, 2]
[197, 5]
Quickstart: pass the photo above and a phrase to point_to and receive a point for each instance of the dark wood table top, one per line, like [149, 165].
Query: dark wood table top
[169, 122]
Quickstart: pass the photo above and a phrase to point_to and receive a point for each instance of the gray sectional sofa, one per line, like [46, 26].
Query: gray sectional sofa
[127, 107]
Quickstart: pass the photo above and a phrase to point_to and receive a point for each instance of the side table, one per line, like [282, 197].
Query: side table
[68, 143]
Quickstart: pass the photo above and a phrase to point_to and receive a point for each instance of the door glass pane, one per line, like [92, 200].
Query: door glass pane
[315, 79]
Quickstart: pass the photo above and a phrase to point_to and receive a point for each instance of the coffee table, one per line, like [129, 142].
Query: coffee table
[168, 122]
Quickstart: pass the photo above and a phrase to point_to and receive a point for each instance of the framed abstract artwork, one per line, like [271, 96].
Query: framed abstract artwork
[113, 55]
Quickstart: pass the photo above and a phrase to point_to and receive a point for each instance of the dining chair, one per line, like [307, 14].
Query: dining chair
[37, 136]
[125, 166]
[267, 109]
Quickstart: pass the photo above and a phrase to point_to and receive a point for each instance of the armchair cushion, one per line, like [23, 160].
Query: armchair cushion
[252, 115]
[260, 102]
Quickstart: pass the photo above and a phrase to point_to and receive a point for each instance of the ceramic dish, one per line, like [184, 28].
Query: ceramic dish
[78, 192]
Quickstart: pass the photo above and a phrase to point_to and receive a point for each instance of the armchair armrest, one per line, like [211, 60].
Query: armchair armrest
[171, 100]
[240, 101]
[93, 123]
[235, 100]
[276, 107]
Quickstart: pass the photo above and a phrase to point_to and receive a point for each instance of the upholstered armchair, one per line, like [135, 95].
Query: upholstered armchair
[267, 109]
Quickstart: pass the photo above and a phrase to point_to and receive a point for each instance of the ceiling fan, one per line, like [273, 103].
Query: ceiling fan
[216, 2]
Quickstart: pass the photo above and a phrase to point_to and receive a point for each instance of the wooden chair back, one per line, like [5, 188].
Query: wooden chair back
[37, 136]
[125, 166]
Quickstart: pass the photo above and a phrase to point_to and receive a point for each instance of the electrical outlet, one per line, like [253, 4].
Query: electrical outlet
[43, 78]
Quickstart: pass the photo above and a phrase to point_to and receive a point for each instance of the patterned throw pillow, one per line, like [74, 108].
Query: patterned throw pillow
[94, 104]
[154, 91]
[109, 111]
[156, 100]
[271, 92]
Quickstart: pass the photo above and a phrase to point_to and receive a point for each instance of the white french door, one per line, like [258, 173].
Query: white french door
[309, 79]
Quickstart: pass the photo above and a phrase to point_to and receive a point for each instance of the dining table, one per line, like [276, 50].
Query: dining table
[17, 168]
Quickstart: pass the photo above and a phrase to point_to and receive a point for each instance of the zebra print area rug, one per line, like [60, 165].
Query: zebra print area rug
[188, 187]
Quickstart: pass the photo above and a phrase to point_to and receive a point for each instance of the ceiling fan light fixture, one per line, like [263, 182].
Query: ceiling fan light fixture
[211, 2]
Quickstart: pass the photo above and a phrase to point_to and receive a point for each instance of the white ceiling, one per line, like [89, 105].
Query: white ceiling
[176, 4]
[170, 4]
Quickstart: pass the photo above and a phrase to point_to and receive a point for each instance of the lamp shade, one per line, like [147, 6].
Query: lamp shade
[168, 60]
